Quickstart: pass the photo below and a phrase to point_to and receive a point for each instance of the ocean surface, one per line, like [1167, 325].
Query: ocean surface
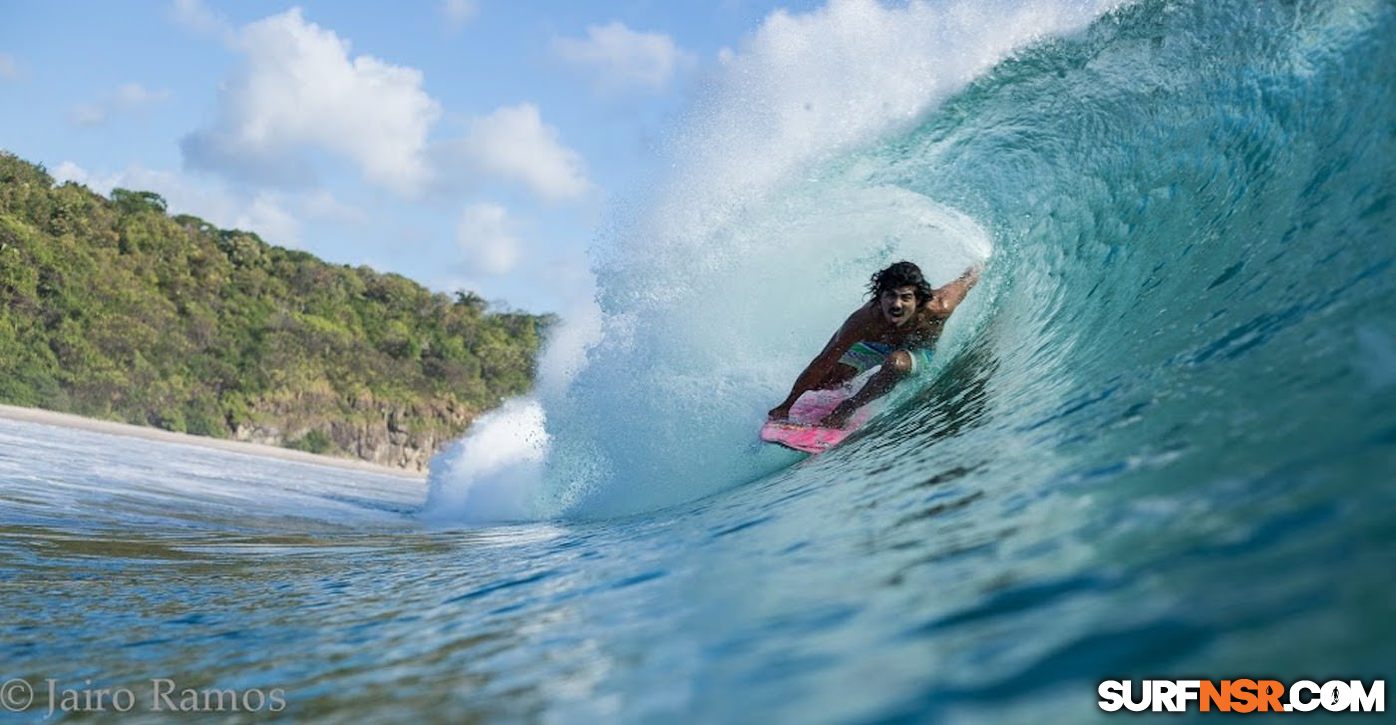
[1158, 439]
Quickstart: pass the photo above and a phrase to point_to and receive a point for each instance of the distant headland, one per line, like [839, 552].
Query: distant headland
[114, 309]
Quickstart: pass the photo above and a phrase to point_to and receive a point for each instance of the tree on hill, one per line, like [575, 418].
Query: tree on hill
[113, 309]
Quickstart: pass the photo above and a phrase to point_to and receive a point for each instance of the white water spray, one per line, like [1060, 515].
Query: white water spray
[748, 257]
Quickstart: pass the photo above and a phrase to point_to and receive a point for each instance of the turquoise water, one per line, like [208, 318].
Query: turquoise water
[1159, 440]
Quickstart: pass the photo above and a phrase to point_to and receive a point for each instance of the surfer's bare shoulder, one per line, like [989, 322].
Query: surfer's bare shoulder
[865, 322]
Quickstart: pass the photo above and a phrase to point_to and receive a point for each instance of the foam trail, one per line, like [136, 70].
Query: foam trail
[495, 471]
[709, 302]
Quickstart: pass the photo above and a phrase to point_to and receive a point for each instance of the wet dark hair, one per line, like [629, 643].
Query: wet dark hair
[901, 274]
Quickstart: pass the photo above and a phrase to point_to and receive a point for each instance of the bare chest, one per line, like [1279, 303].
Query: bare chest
[921, 331]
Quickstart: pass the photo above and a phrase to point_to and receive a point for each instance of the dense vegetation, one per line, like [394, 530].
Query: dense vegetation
[111, 308]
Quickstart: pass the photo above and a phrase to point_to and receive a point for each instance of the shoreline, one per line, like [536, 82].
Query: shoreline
[94, 425]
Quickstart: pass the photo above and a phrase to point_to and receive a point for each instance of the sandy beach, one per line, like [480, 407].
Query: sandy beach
[66, 420]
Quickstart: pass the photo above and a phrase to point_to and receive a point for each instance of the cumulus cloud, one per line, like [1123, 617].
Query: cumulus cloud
[263, 212]
[300, 91]
[484, 235]
[458, 13]
[322, 204]
[196, 16]
[69, 171]
[514, 144]
[8, 68]
[127, 97]
[623, 58]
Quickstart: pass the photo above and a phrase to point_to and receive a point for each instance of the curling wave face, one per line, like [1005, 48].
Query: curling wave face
[1186, 205]
[743, 262]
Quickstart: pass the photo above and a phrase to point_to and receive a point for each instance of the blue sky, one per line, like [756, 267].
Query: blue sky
[467, 144]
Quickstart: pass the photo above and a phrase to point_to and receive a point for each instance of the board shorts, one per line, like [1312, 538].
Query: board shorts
[865, 355]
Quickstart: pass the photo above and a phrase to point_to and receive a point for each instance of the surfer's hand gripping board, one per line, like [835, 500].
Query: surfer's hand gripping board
[801, 430]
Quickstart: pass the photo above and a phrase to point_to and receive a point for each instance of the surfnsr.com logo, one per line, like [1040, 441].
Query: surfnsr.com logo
[1242, 695]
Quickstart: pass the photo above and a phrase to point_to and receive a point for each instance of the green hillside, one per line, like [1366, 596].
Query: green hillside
[111, 308]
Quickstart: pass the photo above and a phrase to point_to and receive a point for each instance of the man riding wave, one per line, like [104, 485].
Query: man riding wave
[896, 329]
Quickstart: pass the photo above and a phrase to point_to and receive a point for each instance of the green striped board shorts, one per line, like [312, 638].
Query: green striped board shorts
[864, 355]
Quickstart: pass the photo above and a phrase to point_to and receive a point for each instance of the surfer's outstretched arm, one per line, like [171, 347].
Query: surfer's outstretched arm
[823, 364]
[947, 298]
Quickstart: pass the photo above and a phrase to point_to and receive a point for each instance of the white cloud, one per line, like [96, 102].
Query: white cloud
[8, 68]
[262, 212]
[459, 12]
[514, 144]
[127, 97]
[88, 114]
[621, 57]
[300, 91]
[134, 94]
[69, 171]
[196, 16]
[265, 215]
[484, 235]
[321, 204]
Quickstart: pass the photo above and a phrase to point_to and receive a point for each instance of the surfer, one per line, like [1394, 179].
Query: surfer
[895, 329]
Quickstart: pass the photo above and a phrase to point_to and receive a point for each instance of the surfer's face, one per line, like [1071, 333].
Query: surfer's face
[898, 304]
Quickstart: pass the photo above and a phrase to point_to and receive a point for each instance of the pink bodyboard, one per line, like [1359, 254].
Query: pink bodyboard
[799, 430]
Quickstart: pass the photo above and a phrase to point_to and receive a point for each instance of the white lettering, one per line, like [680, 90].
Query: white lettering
[1302, 704]
[1111, 694]
[1166, 697]
[117, 697]
[1373, 700]
[225, 699]
[1189, 692]
[157, 697]
[1143, 703]
[1335, 695]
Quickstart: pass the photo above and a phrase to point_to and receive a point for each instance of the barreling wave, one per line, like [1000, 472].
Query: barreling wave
[1187, 212]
